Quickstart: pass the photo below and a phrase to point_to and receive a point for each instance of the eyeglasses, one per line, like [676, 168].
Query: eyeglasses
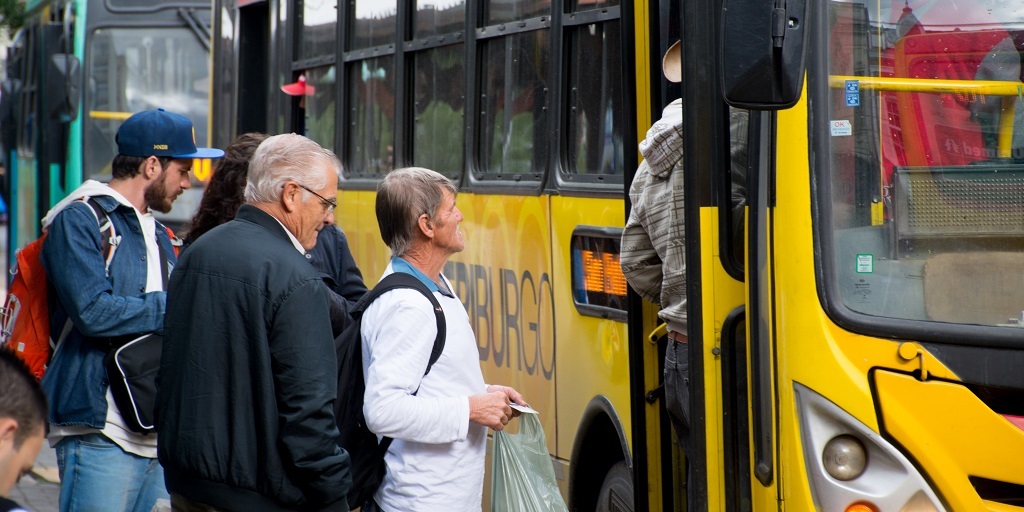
[329, 204]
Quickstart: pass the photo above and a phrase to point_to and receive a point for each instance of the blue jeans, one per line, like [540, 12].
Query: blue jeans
[677, 390]
[677, 400]
[97, 475]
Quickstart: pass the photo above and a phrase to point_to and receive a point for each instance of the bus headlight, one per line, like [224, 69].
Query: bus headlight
[844, 458]
[851, 467]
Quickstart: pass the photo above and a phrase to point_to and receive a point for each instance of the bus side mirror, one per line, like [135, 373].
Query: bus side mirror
[763, 45]
[63, 86]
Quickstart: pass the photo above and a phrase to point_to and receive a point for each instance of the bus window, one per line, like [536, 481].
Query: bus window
[740, 140]
[438, 87]
[438, 17]
[592, 4]
[595, 100]
[129, 70]
[371, 119]
[504, 11]
[318, 34]
[513, 114]
[438, 107]
[925, 141]
[374, 23]
[319, 106]
[27, 141]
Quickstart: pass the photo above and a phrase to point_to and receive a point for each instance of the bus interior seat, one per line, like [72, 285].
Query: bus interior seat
[985, 288]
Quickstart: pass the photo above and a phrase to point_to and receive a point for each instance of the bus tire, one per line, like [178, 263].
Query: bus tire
[617, 489]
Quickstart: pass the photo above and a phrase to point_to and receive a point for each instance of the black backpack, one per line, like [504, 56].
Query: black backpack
[367, 455]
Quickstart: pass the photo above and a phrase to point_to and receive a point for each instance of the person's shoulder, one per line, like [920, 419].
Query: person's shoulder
[401, 301]
[75, 211]
[242, 241]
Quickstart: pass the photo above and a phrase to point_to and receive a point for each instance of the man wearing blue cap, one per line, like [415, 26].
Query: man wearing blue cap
[104, 299]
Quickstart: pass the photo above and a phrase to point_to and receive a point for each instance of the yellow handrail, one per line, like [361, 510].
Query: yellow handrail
[105, 114]
[1010, 91]
[932, 85]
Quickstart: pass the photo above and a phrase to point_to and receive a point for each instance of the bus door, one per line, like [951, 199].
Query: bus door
[727, 227]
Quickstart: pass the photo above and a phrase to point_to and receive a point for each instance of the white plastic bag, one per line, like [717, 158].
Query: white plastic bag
[522, 478]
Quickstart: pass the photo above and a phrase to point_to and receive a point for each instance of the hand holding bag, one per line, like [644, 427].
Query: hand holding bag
[522, 478]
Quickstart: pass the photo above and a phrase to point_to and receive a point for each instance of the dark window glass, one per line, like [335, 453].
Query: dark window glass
[587, 5]
[140, 68]
[150, 5]
[25, 45]
[514, 137]
[319, 28]
[371, 117]
[595, 100]
[319, 109]
[504, 11]
[436, 17]
[374, 23]
[439, 106]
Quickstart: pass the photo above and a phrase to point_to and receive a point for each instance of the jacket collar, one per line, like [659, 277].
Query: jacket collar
[259, 217]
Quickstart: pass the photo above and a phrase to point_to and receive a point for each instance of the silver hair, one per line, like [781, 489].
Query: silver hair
[283, 158]
[402, 197]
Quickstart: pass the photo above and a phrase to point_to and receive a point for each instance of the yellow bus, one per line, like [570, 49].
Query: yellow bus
[853, 254]
[874, 368]
[532, 108]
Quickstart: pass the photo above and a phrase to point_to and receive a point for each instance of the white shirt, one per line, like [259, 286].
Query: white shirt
[436, 461]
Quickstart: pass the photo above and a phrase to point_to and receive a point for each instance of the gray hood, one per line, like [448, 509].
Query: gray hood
[663, 146]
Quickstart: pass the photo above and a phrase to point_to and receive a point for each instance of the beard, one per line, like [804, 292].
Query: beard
[155, 195]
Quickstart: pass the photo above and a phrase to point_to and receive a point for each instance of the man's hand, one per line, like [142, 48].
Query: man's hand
[490, 409]
[512, 395]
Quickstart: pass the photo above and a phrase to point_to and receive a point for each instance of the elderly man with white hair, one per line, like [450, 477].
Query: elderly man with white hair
[249, 372]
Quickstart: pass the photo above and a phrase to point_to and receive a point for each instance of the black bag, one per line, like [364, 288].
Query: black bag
[132, 367]
[367, 455]
[131, 371]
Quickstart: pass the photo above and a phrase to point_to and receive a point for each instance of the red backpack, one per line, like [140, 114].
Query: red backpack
[25, 317]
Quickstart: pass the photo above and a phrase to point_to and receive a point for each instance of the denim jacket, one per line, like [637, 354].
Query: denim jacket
[100, 307]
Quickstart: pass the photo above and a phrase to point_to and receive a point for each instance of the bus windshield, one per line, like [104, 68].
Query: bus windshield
[140, 68]
[925, 145]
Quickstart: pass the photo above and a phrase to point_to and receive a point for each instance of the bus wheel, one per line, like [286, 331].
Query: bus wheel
[617, 490]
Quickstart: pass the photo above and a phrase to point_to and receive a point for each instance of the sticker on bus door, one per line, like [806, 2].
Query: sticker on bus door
[841, 128]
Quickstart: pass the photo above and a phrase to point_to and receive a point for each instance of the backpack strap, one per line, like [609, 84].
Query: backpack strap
[108, 235]
[165, 267]
[176, 242]
[404, 280]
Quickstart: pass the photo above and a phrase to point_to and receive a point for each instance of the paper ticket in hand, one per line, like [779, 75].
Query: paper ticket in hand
[523, 408]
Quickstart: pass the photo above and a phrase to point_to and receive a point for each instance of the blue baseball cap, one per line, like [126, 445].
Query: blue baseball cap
[160, 133]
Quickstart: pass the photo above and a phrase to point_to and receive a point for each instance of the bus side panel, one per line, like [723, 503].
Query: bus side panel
[504, 279]
[594, 367]
[356, 217]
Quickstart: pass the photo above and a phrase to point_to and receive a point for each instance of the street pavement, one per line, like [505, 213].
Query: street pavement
[39, 491]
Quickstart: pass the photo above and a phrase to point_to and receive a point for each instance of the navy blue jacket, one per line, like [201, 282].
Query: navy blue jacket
[248, 375]
[333, 259]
